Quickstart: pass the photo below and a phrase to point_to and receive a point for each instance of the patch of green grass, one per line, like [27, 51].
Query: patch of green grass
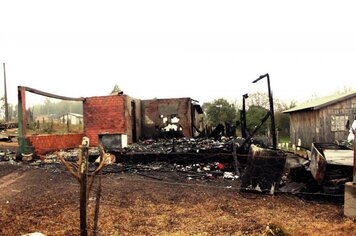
[285, 139]
[53, 128]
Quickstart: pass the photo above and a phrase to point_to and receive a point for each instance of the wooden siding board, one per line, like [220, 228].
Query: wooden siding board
[315, 125]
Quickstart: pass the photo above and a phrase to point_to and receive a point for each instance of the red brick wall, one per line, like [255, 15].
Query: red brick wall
[104, 114]
[49, 143]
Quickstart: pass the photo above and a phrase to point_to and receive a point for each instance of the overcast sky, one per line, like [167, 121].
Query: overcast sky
[200, 49]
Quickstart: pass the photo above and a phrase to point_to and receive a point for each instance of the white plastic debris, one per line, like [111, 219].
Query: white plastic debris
[272, 189]
[351, 135]
[257, 188]
[230, 175]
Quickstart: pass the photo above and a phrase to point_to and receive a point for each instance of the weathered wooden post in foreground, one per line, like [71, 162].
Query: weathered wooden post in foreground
[83, 173]
[80, 172]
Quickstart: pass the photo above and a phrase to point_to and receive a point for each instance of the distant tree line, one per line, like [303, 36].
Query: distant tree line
[221, 111]
[12, 109]
[50, 108]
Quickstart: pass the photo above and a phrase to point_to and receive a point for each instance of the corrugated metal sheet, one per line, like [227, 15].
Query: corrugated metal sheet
[322, 102]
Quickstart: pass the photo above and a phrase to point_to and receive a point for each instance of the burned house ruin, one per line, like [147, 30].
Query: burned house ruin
[115, 120]
[160, 117]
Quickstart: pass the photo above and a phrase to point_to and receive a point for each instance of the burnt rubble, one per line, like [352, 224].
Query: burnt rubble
[191, 159]
[7, 155]
[209, 160]
[181, 145]
[299, 180]
[264, 169]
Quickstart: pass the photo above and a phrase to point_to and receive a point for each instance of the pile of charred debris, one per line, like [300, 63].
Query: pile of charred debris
[224, 161]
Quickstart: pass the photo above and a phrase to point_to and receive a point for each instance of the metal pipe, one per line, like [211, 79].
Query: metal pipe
[254, 131]
[243, 117]
[270, 97]
[259, 78]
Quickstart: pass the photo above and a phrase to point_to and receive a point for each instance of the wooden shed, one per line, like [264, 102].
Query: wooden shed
[323, 120]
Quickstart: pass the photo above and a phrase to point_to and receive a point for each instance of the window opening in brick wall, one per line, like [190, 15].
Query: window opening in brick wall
[47, 115]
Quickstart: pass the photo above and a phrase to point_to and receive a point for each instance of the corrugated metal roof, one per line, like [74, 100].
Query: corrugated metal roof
[322, 102]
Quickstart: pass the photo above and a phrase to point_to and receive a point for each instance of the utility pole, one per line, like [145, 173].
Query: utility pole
[5, 96]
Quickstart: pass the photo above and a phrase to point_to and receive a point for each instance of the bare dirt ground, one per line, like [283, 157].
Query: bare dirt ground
[46, 200]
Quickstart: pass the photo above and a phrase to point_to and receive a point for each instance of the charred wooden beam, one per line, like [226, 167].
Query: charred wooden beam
[32, 90]
[217, 131]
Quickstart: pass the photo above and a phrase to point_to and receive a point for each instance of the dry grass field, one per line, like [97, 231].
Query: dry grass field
[46, 200]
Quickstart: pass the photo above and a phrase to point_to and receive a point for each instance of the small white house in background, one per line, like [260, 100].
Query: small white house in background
[72, 118]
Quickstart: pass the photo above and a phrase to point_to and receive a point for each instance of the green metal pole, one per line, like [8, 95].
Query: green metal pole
[22, 132]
